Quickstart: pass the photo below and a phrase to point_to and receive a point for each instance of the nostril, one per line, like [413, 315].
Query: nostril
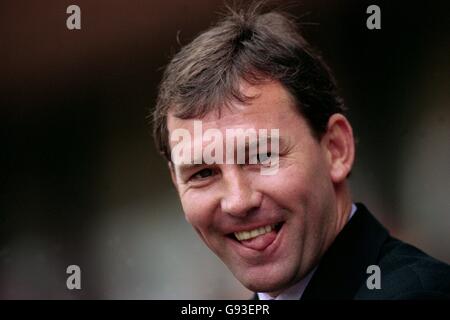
[239, 206]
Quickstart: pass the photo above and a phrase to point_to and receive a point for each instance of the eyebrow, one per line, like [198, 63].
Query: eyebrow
[190, 166]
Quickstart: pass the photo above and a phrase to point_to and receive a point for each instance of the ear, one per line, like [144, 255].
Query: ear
[339, 146]
[173, 175]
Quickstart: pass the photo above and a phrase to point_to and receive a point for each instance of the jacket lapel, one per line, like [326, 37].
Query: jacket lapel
[342, 270]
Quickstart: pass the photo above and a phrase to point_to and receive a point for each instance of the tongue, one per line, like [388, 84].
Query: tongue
[260, 242]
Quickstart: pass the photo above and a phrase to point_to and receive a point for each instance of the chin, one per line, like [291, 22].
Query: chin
[260, 282]
[265, 286]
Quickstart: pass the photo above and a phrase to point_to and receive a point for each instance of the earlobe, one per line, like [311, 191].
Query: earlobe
[340, 147]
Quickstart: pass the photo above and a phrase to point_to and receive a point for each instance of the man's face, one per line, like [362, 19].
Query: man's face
[294, 209]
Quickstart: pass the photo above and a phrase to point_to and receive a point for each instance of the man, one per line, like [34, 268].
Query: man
[294, 233]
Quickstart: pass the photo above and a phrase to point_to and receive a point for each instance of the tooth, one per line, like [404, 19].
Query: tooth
[245, 235]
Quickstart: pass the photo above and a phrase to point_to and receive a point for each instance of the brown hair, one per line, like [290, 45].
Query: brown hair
[248, 45]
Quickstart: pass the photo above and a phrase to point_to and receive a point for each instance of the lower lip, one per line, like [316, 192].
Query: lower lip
[252, 253]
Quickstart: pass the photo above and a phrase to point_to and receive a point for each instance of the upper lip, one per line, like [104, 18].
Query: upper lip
[252, 226]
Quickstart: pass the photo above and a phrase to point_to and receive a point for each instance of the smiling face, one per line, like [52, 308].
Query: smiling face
[270, 230]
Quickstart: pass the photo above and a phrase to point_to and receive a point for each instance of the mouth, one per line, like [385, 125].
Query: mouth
[258, 238]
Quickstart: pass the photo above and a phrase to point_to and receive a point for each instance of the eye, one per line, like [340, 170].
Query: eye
[202, 174]
[267, 159]
[263, 157]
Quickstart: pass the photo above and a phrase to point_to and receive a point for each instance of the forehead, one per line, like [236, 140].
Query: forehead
[271, 105]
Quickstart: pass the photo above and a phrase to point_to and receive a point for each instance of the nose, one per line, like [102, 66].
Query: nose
[239, 198]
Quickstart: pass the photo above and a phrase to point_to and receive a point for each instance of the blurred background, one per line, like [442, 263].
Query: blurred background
[81, 182]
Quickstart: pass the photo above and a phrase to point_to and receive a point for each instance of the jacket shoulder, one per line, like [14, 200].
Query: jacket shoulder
[408, 273]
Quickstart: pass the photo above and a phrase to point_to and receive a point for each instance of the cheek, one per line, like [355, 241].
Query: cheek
[291, 184]
[298, 187]
[198, 209]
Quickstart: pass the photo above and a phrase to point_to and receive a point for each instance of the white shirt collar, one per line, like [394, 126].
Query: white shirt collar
[295, 292]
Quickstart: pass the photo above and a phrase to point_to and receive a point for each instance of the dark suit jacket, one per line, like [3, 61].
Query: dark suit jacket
[406, 272]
